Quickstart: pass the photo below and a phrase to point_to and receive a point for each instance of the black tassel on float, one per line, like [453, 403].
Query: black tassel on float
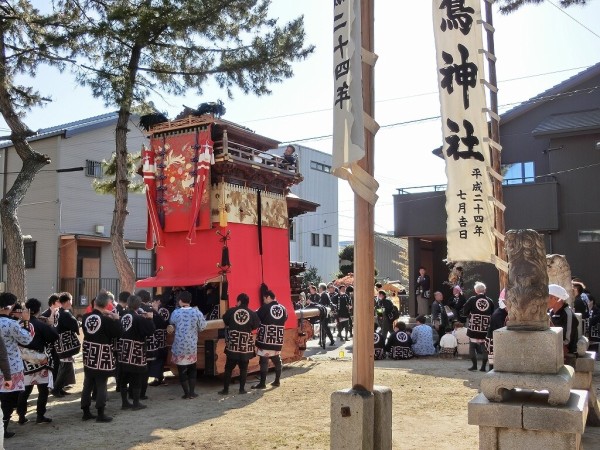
[225, 290]
[225, 257]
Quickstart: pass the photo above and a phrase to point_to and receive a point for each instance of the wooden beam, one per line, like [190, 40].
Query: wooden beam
[364, 258]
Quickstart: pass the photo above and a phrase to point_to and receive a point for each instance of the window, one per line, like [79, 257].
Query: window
[29, 252]
[518, 173]
[326, 240]
[292, 231]
[93, 168]
[588, 236]
[314, 239]
[320, 167]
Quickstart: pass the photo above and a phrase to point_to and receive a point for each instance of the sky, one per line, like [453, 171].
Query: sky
[537, 47]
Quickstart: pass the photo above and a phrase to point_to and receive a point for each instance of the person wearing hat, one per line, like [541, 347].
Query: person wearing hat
[561, 315]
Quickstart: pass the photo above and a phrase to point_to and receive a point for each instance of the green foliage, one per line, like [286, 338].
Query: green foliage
[31, 39]
[127, 50]
[310, 276]
[107, 184]
[509, 6]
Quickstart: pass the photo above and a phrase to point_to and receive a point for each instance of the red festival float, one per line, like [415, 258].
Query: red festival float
[218, 218]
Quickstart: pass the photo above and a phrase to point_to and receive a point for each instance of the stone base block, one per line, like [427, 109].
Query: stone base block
[586, 363]
[527, 422]
[528, 351]
[582, 380]
[352, 418]
[382, 432]
[499, 386]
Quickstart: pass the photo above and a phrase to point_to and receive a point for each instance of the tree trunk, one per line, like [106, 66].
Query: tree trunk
[117, 240]
[117, 229]
[32, 164]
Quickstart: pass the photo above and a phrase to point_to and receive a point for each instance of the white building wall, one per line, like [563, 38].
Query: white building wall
[37, 216]
[81, 207]
[320, 187]
[65, 203]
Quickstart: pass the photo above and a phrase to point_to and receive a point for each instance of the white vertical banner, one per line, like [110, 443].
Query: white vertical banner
[348, 123]
[469, 195]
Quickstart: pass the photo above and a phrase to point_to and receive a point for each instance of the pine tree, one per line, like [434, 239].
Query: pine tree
[509, 6]
[28, 39]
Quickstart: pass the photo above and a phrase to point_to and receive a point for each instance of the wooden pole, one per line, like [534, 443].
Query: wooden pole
[364, 257]
[495, 136]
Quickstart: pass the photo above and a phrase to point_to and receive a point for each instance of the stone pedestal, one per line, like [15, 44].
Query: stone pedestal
[361, 420]
[526, 421]
[584, 370]
[528, 351]
[382, 431]
[352, 420]
[497, 386]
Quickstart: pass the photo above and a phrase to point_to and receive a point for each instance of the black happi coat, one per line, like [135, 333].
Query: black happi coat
[272, 320]
[132, 344]
[344, 306]
[239, 324]
[44, 336]
[379, 342]
[399, 345]
[156, 343]
[595, 324]
[99, 333]
[497, 321]
[67, 327]
[565, 318]
[478, 309]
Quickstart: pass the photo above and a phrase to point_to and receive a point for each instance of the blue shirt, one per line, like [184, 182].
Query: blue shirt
[422, 338]
[188, 323]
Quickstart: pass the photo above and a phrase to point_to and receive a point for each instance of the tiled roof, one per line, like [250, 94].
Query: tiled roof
[70, 128]
[548, 95]
[569, 122]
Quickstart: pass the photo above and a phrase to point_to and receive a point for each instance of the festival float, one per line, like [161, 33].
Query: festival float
[219, 208]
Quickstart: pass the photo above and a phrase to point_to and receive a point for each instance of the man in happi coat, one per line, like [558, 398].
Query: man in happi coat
[188, 322]
[240, 322]
[136, 326]
[478, 311]
[399, 344]
[269, 341]
[100, 328]
[68, 344]
[14, 334]
[37, 373]
[157, 344]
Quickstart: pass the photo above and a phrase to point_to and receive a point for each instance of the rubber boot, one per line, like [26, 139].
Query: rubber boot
[7, 434]
[124, 402]
[186, 389]
[87, 415]
[483, 364]
[136, 400]
[102, 417]
[474, 366]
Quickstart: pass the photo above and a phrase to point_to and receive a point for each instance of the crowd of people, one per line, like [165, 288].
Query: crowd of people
[124, 338]
[457, 323]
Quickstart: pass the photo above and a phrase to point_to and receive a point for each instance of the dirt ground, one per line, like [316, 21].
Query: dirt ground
[430, 397]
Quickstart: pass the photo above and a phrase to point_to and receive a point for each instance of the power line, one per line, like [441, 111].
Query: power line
[405, 97]
[574, 19]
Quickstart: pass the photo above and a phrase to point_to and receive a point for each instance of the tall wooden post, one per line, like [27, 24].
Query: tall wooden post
[364, 256]
[495, 136]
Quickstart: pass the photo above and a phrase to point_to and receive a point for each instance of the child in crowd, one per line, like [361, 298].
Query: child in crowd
[460, 333]
[448, 344]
